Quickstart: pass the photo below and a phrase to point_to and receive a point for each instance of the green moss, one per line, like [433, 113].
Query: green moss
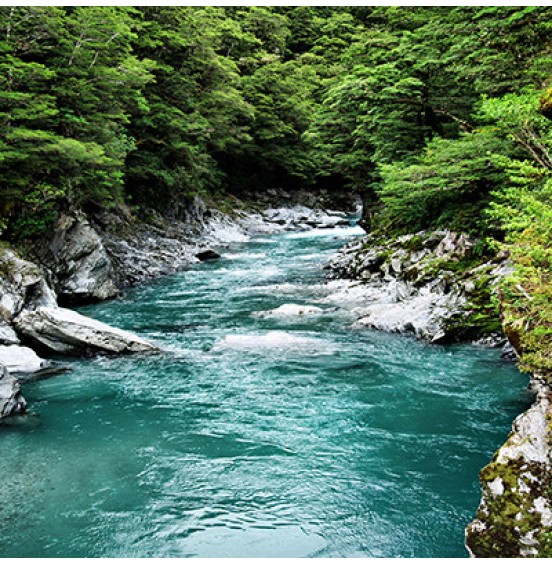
[526, 307]
[509, 516]
[415, 243]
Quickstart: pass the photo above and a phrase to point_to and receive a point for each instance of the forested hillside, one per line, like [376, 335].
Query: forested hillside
[439, 117]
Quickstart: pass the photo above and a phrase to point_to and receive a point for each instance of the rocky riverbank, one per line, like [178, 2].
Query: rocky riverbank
[94, 257]
[436, 286]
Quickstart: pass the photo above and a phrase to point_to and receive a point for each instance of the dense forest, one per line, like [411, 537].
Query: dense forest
[438, 117]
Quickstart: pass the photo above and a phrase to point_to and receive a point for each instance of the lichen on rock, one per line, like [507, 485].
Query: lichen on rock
[514, 518]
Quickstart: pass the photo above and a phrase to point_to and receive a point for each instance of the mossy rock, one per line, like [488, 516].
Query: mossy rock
[508, 515]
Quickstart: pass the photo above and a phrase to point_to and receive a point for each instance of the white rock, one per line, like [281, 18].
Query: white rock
[8, 335]
[496, 486]
[542, 505]
[63, 331]
[20, 359]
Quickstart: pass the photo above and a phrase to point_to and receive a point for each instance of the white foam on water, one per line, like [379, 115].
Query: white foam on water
[270, 341]
[337, 232]
[291, 310]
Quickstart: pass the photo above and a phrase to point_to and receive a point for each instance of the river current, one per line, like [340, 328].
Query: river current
[317, 440]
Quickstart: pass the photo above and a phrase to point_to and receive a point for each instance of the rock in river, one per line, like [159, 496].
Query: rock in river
[273, 340]
[291, 311]
[11, 400]
[77, 257]
[21, 359]
[62, 331]
[207, 254]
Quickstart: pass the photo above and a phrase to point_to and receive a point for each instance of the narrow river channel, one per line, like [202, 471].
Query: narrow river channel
[317, 440]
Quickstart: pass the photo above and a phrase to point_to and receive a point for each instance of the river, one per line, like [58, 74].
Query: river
[334, 443]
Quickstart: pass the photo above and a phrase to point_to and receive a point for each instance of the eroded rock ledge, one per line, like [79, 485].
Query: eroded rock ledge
[29, 313]
[62, 331]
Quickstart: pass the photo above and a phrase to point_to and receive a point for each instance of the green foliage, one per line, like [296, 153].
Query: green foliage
[448, 186]
[439, 116]
[524, 210]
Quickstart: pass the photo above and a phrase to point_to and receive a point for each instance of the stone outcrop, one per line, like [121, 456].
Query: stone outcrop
[514, 518]
[141, 250]
[81, 268]
[428, 284]
[7, 335]
[11, 400]
[302, 217]
[22, 286]
[63, 331]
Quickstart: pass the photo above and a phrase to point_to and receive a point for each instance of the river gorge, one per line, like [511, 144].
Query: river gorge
[258, 430]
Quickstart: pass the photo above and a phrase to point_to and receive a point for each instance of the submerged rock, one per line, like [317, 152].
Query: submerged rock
[291, 310]
[11, 400]
[271, 340]
[62, 331]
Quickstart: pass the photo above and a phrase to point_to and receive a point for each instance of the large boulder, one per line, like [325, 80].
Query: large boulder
[514, 518]
[22, 286]
[62, 331]
[11, 400]
[81, 266]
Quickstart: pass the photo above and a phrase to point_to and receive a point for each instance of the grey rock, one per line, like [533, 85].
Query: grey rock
[82, 269]
[62, 331]
[514, 487]
[11, 400]
[508, 352]
[22, 286]
[406, 290]
[21, 359]
[7, 335]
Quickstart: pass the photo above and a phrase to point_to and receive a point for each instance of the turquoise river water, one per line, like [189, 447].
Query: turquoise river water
[344, 444]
